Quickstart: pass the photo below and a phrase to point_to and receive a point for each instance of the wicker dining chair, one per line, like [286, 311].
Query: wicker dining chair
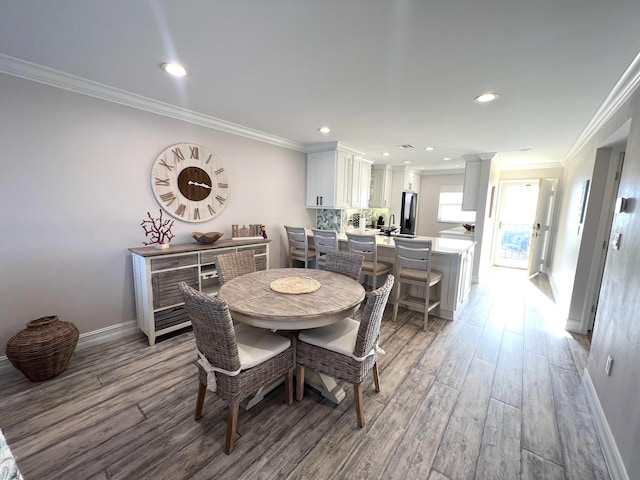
[346, 350]
[413, 269]
[232, 265]
[367, 246]
[324, 241]
[349, 264]
[299, 246]
[234, 361]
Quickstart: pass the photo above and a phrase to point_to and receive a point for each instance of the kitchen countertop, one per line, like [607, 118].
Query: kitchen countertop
[448, 246]
[461, 231]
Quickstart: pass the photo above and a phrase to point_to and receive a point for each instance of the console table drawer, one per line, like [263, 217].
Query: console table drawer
[258, 249]
[173, 262]
[261, 262]
[210, 257]
[165, 286]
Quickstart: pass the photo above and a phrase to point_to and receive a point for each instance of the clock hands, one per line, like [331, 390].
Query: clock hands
[190, 182]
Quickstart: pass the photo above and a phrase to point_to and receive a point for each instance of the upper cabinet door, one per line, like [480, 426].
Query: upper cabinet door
[344, 180]
[365, 184]
[472, 170]
[412, 181]
[381, 186]
[321, 180]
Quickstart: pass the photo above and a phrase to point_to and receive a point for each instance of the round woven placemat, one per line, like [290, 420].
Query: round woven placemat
[295, 285]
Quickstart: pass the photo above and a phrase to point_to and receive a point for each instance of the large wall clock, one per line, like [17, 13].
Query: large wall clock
[190, 182]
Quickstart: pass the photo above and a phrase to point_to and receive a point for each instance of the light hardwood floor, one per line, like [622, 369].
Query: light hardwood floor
[495, 394]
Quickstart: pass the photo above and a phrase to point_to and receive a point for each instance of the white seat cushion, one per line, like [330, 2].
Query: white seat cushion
[256, 345]
[339, 337]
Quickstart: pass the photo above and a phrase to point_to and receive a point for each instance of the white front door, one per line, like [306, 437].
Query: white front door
[517, 202]
[542, 224]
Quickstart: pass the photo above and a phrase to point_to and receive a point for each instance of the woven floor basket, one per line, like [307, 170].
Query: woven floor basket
[43, 349]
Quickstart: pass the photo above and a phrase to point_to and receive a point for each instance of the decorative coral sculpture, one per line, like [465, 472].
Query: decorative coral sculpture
[157, 230]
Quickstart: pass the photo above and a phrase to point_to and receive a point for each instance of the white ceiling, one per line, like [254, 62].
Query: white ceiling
[378, 72]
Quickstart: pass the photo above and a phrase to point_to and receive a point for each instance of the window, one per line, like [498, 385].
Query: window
[450, 207]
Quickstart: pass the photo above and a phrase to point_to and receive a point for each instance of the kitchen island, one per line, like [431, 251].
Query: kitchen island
[452, 257]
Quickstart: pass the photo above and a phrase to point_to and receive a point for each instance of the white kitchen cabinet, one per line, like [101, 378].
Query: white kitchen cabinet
[327, 180]
[472, 171]
[360, 182]
[381, 186]
[411, 181]
[335, 177]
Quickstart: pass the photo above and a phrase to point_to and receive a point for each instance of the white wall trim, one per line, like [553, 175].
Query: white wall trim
[529, 166]
[89, 339]
[107, 334]
[574, 326]
[552, 283]
[612, 456]
[55, 78]
[620, 93]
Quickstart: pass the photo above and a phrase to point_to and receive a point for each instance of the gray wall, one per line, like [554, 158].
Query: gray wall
[617, 328]
[76, 185]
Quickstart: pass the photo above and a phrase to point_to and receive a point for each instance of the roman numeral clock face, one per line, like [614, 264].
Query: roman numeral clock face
[190, 182]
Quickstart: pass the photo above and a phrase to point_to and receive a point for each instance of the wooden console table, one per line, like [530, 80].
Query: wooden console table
[157, 272]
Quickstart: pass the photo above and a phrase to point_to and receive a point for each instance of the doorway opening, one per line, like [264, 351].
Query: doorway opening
[523, 228]
[517, 203]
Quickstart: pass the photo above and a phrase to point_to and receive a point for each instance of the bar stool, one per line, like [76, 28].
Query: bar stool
[299, 246]
[366, 245]
[413, 267]
[325, 241]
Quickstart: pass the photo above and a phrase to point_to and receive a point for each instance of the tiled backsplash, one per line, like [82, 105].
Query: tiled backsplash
[344, 220]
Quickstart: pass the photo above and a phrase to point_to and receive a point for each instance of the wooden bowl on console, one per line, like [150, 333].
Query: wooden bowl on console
[206, 238]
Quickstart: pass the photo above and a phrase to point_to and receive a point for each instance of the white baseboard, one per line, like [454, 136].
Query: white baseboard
[107, 334]
[612, 456]
[95, 337]
[574, 326]
[552, 284]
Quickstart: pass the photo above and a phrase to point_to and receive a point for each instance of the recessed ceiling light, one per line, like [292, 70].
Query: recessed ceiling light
[407, 162]
[457, 165]
[429, 149]
[446, 158]
[385, 154]
[175, 69]
[324, 130]
[486, 97]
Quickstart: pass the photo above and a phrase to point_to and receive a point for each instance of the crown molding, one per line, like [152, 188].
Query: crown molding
[55, 78]
[444, 171]
[335, 145]
[529, 166]
[618, 95]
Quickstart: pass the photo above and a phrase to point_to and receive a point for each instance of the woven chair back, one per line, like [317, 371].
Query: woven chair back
[232, 265]
[345, 263]
[369, 330]
[212, 328]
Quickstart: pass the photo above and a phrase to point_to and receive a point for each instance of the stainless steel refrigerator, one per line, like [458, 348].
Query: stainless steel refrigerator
[408, 213]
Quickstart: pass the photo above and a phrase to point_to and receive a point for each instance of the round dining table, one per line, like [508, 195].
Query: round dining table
[252, 301]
